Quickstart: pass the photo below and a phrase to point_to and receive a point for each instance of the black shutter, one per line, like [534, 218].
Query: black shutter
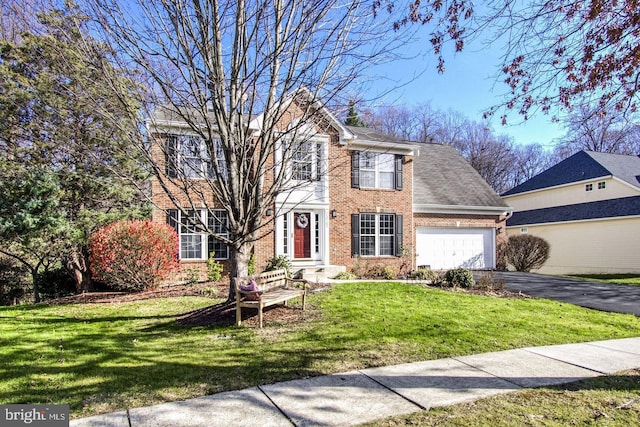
[399, 233]
[398, 172]
[171, 156]
[172, 219]
[355, 235]
[355, 169]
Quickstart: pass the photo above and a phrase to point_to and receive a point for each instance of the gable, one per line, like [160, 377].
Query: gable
[579, 167]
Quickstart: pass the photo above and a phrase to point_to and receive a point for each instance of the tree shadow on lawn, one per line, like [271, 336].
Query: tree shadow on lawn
[224, 314]
[96, 372]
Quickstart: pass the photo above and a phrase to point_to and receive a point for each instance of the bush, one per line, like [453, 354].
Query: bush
[526, 252]
[251, 267]
[389, 272]
[55, 283]
[460, 277]
[14, 281]
[345, 275]
[279, 262]
[215, 269]
[134, 255]
[426, 274]
[488, 282]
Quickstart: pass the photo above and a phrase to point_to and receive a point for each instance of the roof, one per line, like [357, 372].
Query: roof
[612, 208]
[368, 137]
[582, 166]
[442, 177]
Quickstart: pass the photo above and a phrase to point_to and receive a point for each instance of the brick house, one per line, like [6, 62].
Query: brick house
[357, 200]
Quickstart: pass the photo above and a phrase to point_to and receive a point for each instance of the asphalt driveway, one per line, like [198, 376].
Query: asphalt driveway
[585, 293]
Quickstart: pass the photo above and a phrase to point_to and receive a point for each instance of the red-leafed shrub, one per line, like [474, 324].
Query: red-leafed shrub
[134, 255]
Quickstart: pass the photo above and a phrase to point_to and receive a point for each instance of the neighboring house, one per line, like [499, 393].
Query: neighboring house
[362, 199]
[588, 208]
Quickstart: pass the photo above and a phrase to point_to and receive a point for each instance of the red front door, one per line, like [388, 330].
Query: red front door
[302, 235]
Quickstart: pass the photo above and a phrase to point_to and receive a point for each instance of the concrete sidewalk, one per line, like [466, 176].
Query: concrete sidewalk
[357, 397]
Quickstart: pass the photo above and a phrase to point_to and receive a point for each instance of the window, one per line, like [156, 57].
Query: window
[376, 170]
[602, 185]
[188, 157]
[524, 230]
[302, 162]
[195, 241]
[588, 187]
[306, 161]
[219, 224]
[376, 234]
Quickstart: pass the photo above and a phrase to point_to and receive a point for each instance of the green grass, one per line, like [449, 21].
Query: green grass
[604, 401]
[106, 357]
[623, 279]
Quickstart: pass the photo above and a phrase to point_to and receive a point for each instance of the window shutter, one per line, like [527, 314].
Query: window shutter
[355, 235]
[172, 219]
[398, 172]
[399, 233]
[355, 169]
[171, 156]
[319, 161]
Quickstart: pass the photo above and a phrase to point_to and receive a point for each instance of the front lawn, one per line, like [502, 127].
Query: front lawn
[612, 400]
[105, 357]
[623, 279]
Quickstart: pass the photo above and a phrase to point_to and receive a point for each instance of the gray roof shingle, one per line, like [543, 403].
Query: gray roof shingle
[612, 208]
[443, 177]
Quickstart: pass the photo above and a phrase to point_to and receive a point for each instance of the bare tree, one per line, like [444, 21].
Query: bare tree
[529, 161]
[593, 129]
[233, 73]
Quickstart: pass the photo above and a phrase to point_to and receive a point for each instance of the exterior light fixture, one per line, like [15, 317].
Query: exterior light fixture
[334, 213]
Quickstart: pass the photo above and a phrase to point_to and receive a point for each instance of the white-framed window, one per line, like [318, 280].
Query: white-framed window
[376, 170]
[524, 230]
[195, 242]
[189, 157]
[602, 185]
[302, 162]
[588, 187]
[306, 161]
[376, 234]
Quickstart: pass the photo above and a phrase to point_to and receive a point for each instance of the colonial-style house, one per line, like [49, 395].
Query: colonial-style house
[360, 198]
[588, 208]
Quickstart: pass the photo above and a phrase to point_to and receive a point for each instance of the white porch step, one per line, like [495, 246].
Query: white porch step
[318, 273]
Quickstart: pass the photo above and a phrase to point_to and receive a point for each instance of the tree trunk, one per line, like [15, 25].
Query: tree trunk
[36, 291]
[78, 267]
[240, 257]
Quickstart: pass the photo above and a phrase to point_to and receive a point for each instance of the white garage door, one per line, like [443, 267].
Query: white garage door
[446, 248]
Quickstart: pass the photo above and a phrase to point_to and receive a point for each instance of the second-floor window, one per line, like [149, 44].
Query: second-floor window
[188, 156]
[306, 161]
[376, 170]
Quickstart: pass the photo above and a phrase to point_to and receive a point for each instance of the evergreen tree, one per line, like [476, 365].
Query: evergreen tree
[67, 114]
[352, 116]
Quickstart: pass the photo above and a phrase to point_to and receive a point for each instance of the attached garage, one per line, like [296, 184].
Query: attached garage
[445, 248]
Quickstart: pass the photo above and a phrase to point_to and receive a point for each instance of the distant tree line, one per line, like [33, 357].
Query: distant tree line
[500, 160]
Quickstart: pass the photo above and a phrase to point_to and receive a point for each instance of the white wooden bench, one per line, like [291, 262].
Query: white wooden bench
[274, 288]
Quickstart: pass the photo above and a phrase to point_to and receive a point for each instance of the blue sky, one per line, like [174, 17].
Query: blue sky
[468, 85]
